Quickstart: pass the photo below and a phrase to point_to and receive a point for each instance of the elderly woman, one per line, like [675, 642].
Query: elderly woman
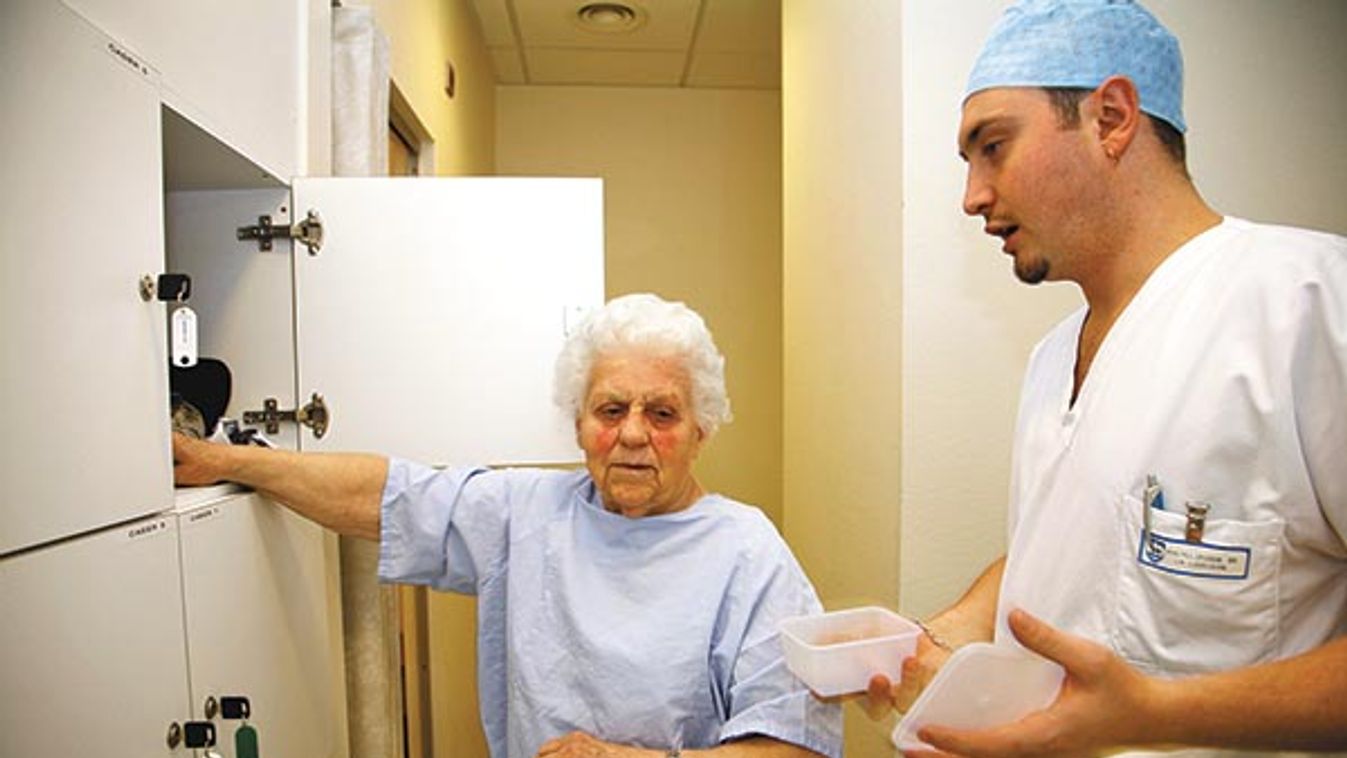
[623, 610]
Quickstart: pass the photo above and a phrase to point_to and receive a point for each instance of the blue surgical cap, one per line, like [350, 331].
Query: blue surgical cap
[1080, 43]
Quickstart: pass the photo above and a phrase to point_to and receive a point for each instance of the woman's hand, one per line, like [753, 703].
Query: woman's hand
[196, 462]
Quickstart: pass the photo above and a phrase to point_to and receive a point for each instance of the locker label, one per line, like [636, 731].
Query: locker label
[146, 530]
[130, 59]
[203, 514]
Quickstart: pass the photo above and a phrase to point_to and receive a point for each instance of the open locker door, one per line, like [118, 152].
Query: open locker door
[430, 319]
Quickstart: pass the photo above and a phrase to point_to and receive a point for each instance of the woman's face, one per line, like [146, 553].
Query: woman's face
[637, 429]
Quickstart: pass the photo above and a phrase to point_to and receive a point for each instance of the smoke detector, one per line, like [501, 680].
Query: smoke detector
[609, 18]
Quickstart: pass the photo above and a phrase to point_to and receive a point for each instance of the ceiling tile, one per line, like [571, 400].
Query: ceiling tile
[734, 44]
[668, 25]
[604, 67]
[735, 70]
[509, 68]
[495, 20]
[740, 26]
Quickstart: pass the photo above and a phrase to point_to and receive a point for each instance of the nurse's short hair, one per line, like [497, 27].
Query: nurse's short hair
[646, 321]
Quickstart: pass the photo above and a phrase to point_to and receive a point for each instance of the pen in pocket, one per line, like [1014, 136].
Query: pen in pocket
[1152, 497]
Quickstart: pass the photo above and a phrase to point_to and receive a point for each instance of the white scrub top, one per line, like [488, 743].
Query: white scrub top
[656, 632]
[1226, 378]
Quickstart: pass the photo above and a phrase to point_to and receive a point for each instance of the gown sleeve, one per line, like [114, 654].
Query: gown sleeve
[760, 695]
[443, 528]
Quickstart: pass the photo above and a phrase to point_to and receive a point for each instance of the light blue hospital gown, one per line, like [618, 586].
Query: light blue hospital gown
[651, 632]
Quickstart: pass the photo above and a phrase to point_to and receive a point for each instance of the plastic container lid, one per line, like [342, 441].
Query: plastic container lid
[837, 653]
[982, 685]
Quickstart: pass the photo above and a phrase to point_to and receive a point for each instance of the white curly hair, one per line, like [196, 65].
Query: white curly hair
[645, 320]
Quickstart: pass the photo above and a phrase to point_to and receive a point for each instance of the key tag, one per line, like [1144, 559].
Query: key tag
[245, 741]
[183, 340]
[176, 288]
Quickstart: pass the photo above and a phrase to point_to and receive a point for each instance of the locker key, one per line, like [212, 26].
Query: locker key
[235, 707]
[199, 734]
[173, 288]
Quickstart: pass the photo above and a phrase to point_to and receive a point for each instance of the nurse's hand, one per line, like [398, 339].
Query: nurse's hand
[1094, 713]
[883, 696]
[581, 745]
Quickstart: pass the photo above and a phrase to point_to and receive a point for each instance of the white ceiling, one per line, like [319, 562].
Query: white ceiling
[677, 43]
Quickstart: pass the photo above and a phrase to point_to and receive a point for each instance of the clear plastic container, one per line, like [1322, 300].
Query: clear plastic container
[982, 685]
[837, 653]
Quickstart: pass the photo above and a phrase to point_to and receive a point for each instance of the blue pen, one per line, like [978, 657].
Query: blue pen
[1155, 497]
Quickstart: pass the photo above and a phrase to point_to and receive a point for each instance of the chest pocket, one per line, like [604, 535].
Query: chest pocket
[1191, 608]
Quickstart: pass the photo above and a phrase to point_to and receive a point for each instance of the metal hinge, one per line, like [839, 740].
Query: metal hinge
[308, 232]
[313, 415]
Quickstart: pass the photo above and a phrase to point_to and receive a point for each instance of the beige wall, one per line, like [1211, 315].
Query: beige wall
[968, 326]
[692, 187]
[842, 130]
[423, 36]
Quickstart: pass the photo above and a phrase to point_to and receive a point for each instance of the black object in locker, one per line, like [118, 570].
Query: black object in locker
[204, 387]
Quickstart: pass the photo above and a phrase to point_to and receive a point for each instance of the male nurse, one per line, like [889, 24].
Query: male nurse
[1178, 514]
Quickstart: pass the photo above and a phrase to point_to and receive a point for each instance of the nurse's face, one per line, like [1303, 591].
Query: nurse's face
[1034, 182]
[638, 433]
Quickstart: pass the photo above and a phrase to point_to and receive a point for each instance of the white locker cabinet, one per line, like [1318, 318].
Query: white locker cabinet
[83, 384]
[428, 321]
[111, 638]
[92, 652]
[233, 66]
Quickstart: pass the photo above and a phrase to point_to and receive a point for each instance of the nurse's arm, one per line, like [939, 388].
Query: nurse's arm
[973, 617]
[1298, 703]
[341, 491]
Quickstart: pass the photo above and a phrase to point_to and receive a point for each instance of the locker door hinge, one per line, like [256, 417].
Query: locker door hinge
[313, 415]
[308, 232]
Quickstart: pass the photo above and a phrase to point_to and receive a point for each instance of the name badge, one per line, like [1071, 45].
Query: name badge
[1203, 559]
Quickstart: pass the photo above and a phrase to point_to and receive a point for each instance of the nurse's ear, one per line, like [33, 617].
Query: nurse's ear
[1113, 113]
